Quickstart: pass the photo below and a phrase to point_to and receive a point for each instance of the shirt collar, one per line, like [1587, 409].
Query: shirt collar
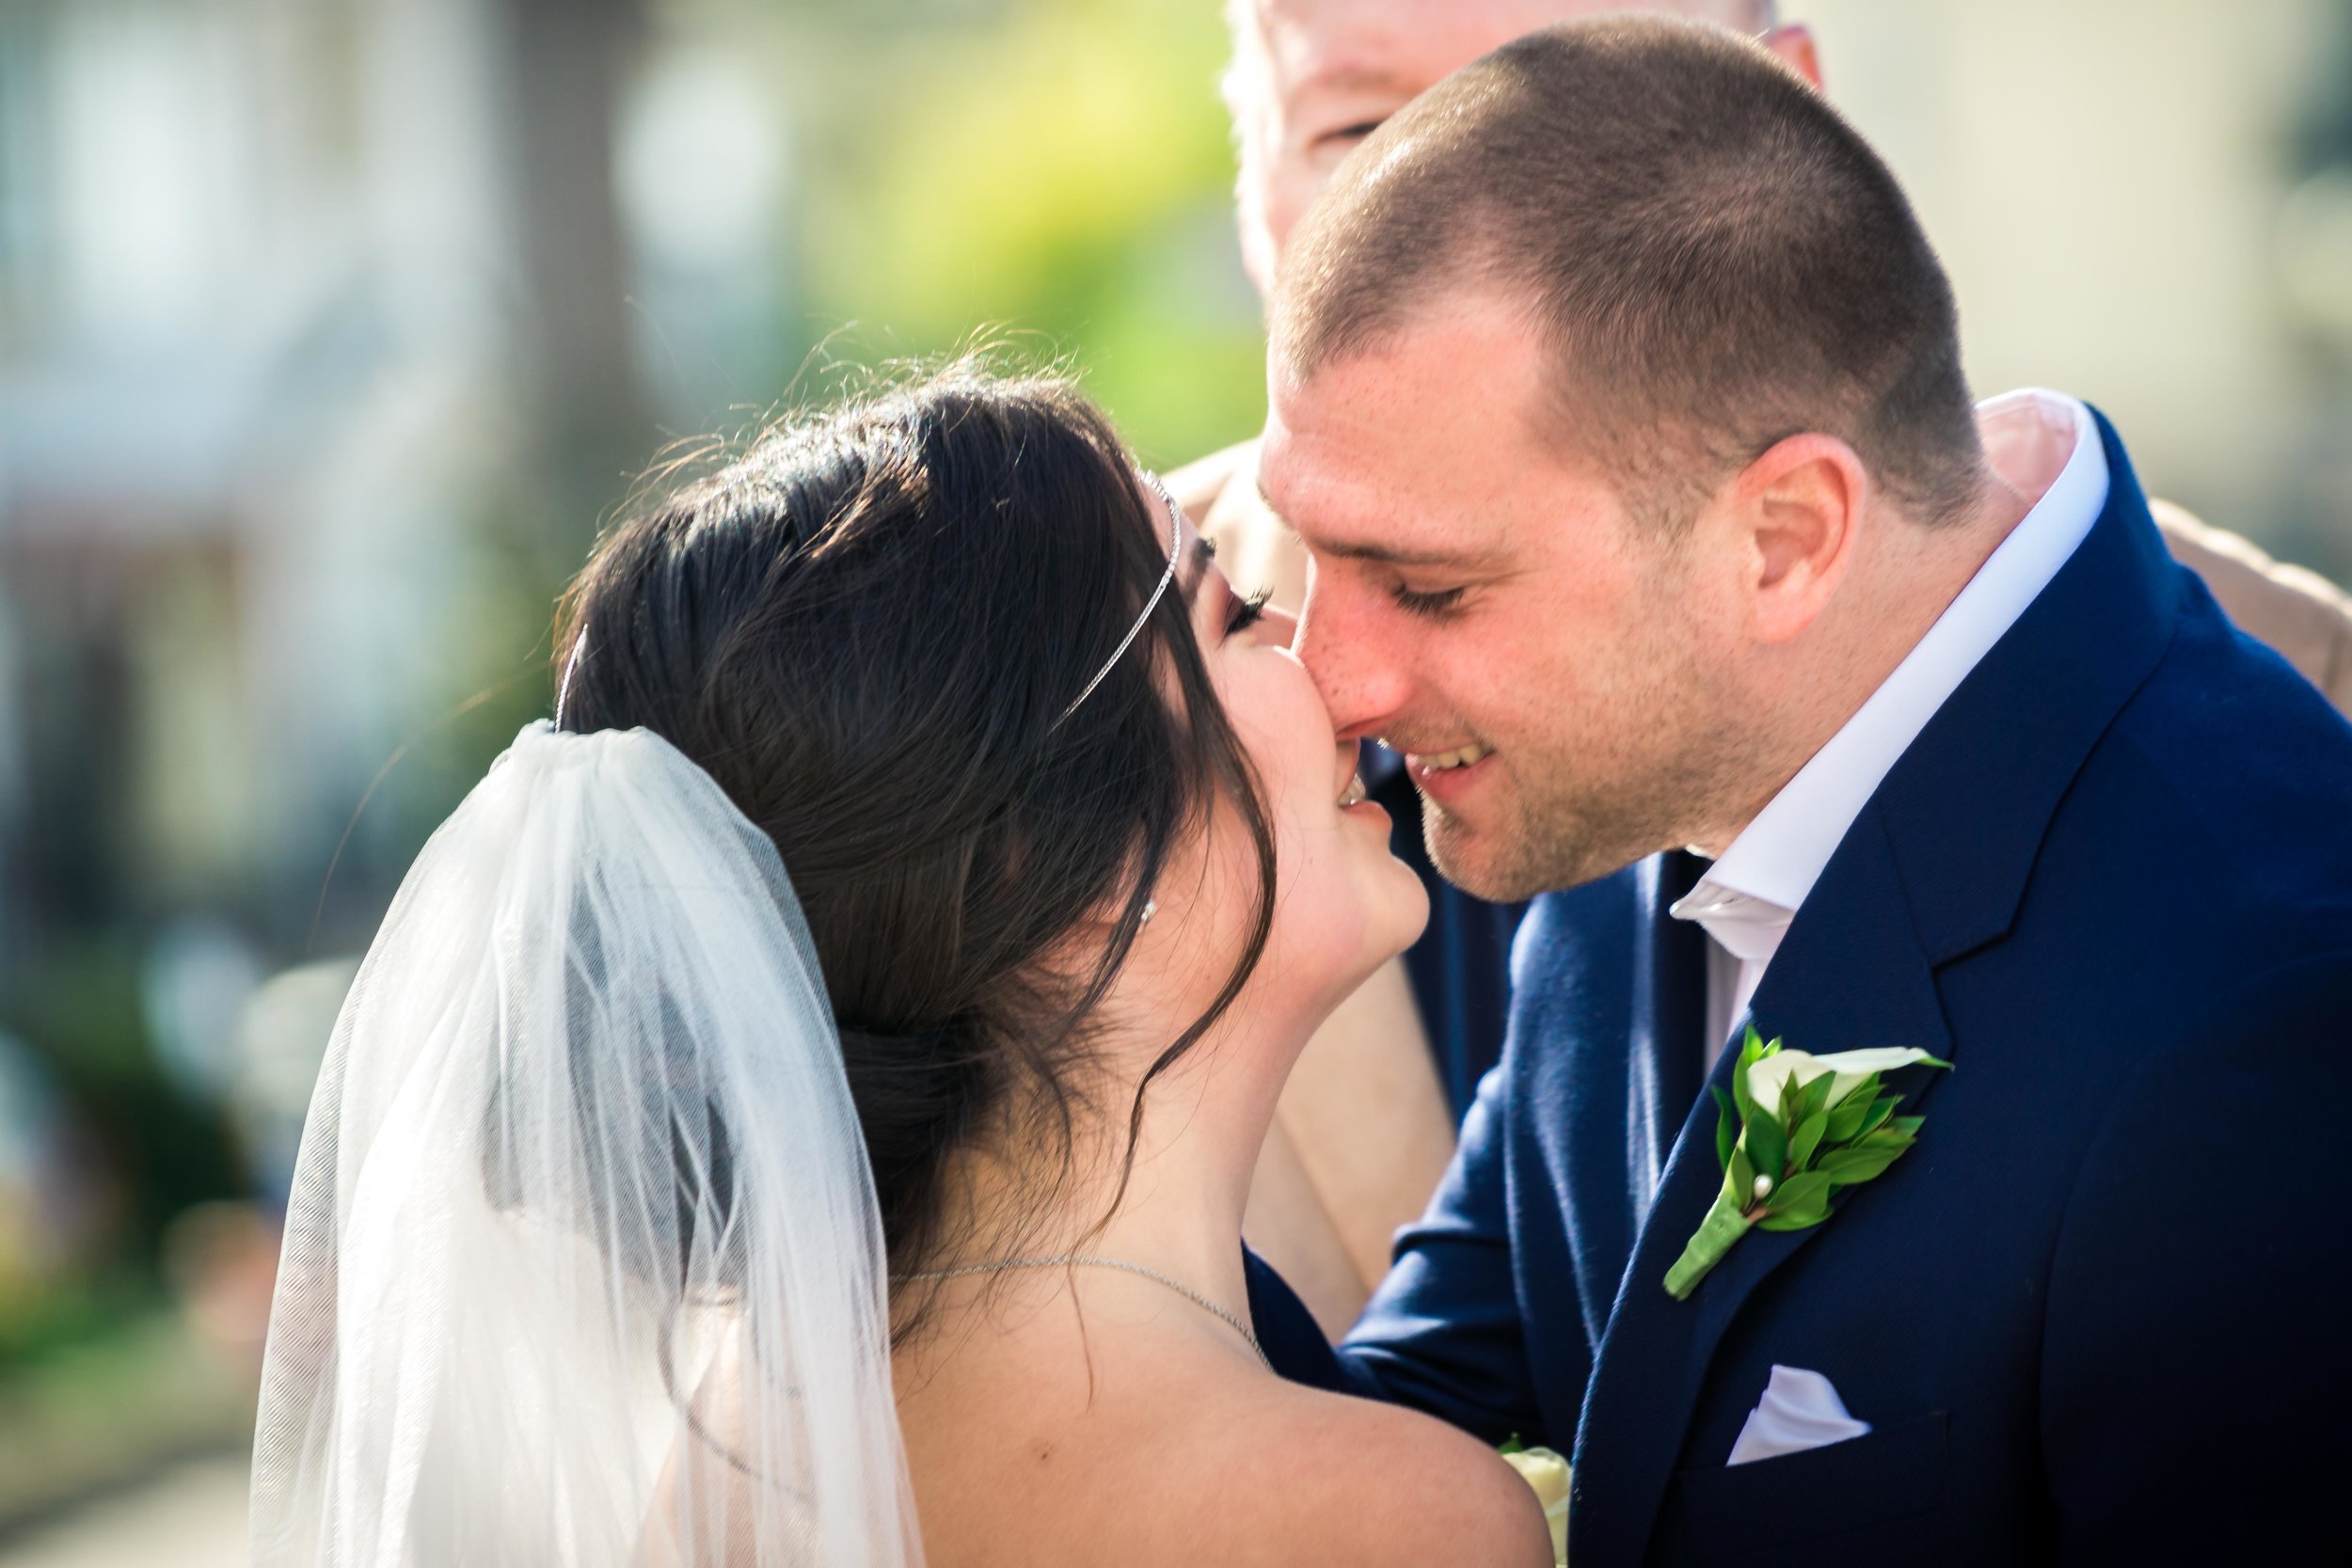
[1781, 853]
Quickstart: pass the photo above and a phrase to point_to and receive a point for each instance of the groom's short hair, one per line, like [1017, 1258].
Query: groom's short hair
[1717, 260]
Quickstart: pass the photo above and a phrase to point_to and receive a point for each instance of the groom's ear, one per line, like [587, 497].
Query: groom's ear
[1794, 45]
[1798, 512]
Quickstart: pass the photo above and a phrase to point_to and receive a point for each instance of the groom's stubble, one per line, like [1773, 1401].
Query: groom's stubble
[1658, 753]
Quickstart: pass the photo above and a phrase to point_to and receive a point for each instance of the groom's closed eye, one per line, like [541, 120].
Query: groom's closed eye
[1432, 602]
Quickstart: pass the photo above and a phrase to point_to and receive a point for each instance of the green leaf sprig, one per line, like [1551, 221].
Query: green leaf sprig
[1830, 1125]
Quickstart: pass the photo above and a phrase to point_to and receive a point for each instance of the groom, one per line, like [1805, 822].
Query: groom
[1617, 395]
[1360, 1141]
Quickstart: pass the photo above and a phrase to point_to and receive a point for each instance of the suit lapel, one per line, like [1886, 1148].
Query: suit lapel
[1851, 979]
[1935, 867]
[1848, 976]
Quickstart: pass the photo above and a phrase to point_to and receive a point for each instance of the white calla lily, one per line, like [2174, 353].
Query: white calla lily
[1780, 1177]
[1768, 1078]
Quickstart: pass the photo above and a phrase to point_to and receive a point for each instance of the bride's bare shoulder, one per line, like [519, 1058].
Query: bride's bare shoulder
[1323, 1478]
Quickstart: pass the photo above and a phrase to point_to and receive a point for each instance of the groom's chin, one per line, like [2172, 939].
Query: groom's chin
[1506, 863]
[1487, 864]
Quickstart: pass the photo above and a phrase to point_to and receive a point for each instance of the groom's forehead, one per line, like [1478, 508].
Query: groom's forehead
[1384, 463]
[1348, 522]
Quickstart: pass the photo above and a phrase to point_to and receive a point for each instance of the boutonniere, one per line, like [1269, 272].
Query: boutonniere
[1793, 1129]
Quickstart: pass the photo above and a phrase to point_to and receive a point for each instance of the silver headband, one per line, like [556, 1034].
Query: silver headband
[1175, 544]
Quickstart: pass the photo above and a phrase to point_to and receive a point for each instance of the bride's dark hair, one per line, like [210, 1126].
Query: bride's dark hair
[866, 630]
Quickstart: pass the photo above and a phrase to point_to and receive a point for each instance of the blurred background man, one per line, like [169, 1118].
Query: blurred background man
[1364, 1128]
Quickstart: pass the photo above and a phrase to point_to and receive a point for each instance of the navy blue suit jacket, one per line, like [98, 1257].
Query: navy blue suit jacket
[2098, 1314]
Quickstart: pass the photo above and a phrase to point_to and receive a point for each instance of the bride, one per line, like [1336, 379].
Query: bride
[800, 1108]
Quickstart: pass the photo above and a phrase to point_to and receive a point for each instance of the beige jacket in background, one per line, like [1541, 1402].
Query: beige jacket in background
[2299, 613]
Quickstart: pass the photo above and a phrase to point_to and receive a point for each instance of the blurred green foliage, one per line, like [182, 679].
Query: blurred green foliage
[79, 1011]
[1059, 175]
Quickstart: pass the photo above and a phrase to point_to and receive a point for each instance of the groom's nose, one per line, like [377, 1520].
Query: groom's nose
[1339, 641]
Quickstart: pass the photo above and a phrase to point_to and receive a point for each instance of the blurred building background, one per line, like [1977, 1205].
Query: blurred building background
[331, 329]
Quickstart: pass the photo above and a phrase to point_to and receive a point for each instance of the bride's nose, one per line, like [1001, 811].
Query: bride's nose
[1277, 628]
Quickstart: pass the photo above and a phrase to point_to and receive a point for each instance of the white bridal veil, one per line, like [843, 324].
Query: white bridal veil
[584, 1263]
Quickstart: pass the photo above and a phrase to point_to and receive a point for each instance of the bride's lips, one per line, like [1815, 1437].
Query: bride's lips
[1353, 802]
[1446, 776]
[1351, 798]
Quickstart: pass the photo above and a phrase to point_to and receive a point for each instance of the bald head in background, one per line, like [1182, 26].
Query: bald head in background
[1311, 78]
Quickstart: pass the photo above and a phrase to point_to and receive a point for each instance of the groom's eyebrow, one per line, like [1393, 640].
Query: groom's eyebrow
[1397, 555]
[1382, 554]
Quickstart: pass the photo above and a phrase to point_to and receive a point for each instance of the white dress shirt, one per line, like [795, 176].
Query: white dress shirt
[2042, 443]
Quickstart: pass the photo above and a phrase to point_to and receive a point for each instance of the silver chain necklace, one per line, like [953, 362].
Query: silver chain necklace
[1082, 1260]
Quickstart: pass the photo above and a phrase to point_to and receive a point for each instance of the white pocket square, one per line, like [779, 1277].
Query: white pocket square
[1799, 1410]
